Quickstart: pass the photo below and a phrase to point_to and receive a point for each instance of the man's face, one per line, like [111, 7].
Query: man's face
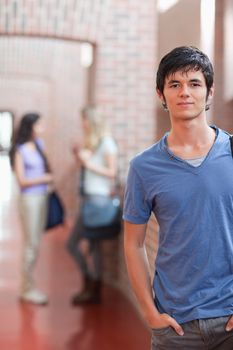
[185, 94]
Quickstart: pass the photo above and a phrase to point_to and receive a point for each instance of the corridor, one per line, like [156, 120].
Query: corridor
[112, 325]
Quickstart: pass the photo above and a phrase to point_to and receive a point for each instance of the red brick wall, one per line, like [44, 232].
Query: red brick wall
[125, 75]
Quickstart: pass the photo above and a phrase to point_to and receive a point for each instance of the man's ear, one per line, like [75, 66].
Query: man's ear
[160, 95]
[211, 94]
[209, 98]
[162, 99]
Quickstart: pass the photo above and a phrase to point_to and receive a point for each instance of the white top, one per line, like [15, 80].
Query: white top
[195, 161]
[99, 184]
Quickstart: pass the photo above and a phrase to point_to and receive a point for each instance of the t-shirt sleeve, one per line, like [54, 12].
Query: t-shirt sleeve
[137, 209]
[109, 145]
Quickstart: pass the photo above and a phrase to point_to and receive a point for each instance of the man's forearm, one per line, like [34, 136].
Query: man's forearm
[138, 270]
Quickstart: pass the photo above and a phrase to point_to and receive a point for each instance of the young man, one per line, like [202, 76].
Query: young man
[186, 180]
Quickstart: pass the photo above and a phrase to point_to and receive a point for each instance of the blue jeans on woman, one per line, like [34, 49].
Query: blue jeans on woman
[75, 251]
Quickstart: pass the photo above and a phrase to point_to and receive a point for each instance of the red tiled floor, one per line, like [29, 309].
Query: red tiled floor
[114, 324]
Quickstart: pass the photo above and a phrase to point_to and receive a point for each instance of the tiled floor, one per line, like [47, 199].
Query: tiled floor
[114, 324]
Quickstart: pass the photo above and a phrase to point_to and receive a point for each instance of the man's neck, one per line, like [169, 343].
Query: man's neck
[191, 139]
[190, 133]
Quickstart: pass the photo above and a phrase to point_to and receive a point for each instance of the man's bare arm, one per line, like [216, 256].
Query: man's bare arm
[138, 270]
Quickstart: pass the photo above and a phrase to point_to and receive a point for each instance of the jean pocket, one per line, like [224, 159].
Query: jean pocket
[160, 331]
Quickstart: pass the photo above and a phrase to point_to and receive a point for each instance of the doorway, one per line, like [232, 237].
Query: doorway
[7, 179]
[6, 131]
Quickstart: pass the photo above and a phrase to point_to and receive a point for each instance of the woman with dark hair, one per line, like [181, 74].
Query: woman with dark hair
[33, 176]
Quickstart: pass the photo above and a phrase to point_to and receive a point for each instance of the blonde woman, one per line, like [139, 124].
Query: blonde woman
[98, 159]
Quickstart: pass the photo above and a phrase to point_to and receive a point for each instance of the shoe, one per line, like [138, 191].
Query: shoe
[90, 294]
[34, 296]
[86, 297]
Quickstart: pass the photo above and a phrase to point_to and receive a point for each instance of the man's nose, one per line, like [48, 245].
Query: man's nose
[184, 91]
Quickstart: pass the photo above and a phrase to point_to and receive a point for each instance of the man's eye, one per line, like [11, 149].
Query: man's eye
[174, 85]
[195, 84]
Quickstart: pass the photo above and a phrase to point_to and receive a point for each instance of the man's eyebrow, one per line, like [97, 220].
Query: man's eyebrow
[173, 81]
[195, 80]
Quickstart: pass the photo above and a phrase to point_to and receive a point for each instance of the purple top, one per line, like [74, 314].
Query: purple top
[33, 167]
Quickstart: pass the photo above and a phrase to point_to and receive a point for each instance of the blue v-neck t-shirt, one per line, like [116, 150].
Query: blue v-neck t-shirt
[193, 206]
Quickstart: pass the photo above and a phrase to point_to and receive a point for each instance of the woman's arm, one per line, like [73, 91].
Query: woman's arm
[108, 170]
[83, 157]
[20, 175]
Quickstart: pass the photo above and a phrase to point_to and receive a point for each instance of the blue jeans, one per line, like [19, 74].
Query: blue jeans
[94, 251]
[203, 334]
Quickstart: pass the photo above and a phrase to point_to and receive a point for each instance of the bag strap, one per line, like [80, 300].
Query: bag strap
[43, 156]
[81, 182]
[231, 142]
